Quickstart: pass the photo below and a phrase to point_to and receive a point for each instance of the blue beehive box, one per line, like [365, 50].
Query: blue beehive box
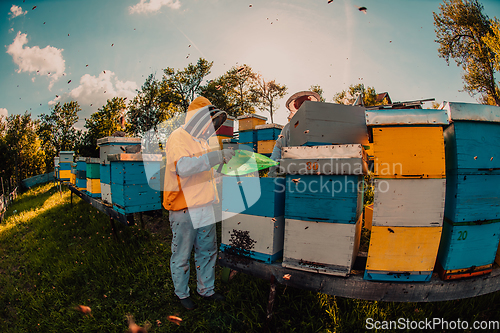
[133, 186]
[324, 198]
[247, 136]
[467, 249]
[253, 196]
[268, 132]
[81, 174]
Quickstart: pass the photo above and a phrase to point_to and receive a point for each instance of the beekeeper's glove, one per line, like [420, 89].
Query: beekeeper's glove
[220, 156]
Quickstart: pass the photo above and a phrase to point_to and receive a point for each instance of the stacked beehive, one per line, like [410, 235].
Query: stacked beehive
[73, 174]
[247, 138]
[56, 167]
[324, 187]
[135, 182]
[107, 146]
[81, 174]
[409, 193]
[253, 221]
[65, 160]
[223, 133]
[471, 230]
[266, 137]
[93, 178]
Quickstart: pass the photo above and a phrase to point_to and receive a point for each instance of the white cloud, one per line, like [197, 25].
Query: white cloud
[44, 62]
[149, 6]
[94, 91]
[16, 11]
[4, 112]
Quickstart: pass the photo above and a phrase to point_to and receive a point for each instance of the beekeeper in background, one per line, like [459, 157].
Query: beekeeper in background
[293, 104]
[189, 196]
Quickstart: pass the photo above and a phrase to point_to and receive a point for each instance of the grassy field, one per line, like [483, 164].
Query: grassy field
[55, 256]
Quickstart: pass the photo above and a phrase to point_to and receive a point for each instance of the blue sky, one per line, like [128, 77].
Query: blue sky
[108, 48]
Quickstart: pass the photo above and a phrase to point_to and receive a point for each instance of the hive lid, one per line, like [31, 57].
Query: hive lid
[407, 117]
[81, 159]
[134, 157]
[325, 152]
[472, 112]
[93, 160]
[268, 126]
[117, 140]
[66, 152]
[245, 116]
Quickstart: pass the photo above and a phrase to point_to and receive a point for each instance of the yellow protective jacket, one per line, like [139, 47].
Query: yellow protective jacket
[191, 191]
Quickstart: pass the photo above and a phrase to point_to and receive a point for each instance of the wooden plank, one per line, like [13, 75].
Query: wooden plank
[356, 287]
[254, 196]
[368, 214]
[472, 197]
[473, 147]
[138, 157]
[328, 248]
[403, 249]
[332, 198]
[260, 234]
[409, 202]
[464, 246]
[328, 123]
[99, 205]
[341, 166]
[408, 152]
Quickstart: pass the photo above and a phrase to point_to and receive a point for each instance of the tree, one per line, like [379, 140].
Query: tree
[181, 86]
[348, 97]
[231, 91]
[57, 131]
[460, 29]
[317, 89]
[265, 93]
[103, 123]
[151, 106]
[24, 157]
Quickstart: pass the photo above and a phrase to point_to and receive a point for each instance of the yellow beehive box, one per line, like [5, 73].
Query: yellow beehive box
[215, 142]
[94, 187]
[65, 175]
[402, 253]
[249, 121]
[409, 152]
[266, 146]
[368, 216]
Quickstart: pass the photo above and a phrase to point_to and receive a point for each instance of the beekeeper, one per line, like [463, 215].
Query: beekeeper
[189, 195]
[293, 104]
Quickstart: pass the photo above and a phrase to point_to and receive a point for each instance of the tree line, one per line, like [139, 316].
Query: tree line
[28, 146]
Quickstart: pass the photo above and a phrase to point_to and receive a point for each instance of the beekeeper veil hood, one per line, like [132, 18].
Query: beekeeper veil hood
[203, 119]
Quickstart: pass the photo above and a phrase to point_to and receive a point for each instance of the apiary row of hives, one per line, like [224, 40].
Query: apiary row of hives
[436, 177]
[257, 136]
[130, 182]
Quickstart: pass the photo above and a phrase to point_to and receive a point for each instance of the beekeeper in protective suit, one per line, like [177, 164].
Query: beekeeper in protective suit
[189, 196]
[292, 104]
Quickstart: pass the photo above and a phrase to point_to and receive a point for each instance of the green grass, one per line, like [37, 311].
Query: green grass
[55, 256]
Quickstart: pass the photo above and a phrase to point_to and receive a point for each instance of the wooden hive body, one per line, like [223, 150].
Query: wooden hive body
[265, 147]
[131, 190]
[81, 173]
[402, 253]
[467, 249]
[254, 196]
[257, 237]
[324, 198]
[105, 180]
[319, 123]
[250, 121]
[113, 145]
[66, 156]
[327, 248]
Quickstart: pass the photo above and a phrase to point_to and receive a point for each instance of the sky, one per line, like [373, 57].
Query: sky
[94, 50]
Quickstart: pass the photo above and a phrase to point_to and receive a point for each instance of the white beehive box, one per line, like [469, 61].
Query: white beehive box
[262, 235]
[113, 145]
[409, 202]
[350, 159]
[327, 248]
